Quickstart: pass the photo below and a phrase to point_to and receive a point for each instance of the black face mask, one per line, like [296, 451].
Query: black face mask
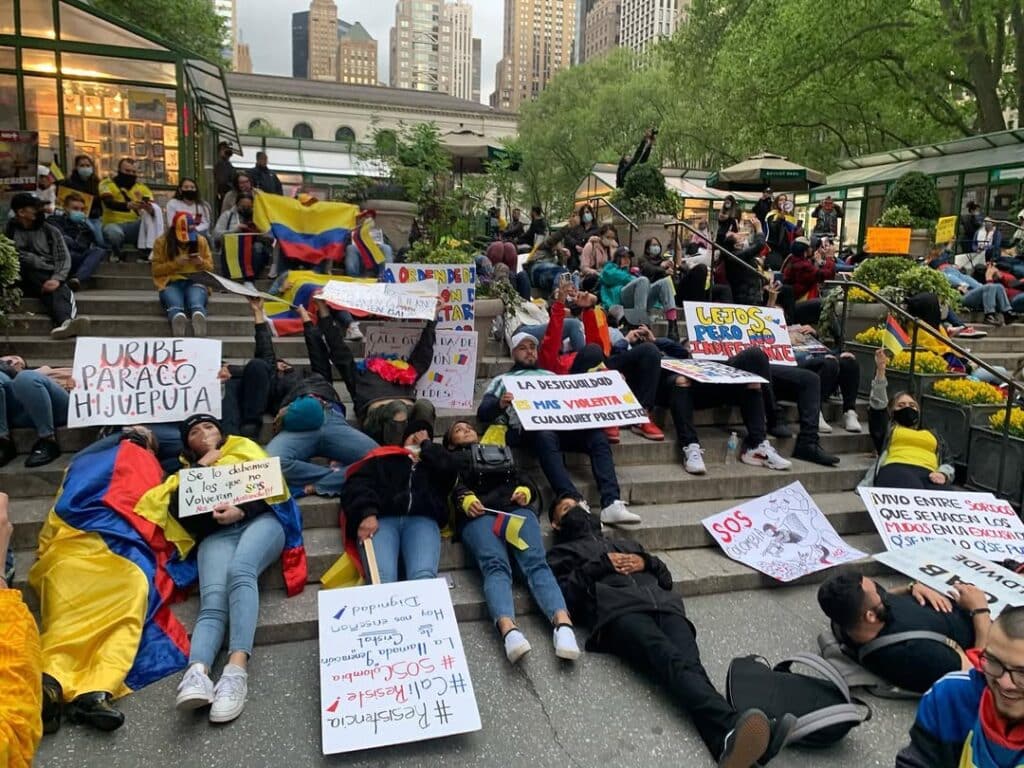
[125, 180]
[245, 214]
[577, 523]
[906, 417]
[189, 194]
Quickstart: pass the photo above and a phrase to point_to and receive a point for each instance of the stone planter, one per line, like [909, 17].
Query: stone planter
[919, 383]
[861, 317]
[985, 451]
[395, 218]
[952, 422]
[484, 312]
[920, 243]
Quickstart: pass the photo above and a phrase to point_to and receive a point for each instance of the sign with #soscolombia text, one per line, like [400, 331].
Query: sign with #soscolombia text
[392, 666]
[579, 401]
[200, 489]
[143, 381]
[721, 331]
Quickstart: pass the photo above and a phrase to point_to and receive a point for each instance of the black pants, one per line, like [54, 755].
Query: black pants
[790, 382]
[682, 401]
[246, 398]
[798, 312]
[907, 476]
[690, 286]
[842, 373]
[664, 647]
[639, 366]
[59, 304]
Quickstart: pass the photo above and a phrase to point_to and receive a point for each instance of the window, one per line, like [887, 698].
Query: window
[302, 131]
[345, 134]
[259, 124]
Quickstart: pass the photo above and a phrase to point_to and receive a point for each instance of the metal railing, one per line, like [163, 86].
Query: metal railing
[675, 225]
[597, 202]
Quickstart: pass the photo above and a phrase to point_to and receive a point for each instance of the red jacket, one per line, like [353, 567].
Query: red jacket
[805, 276]
[549, 356]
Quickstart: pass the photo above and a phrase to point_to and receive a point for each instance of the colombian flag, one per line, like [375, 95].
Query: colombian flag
[894, 338]
[302, 286]
[371, 257]
[238, 256]
[106, 577]
[306, 233]
[507, 526]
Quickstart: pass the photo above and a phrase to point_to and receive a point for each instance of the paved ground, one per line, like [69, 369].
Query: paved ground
[542, 715]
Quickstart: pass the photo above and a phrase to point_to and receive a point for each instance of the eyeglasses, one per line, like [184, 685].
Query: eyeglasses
[993, 667]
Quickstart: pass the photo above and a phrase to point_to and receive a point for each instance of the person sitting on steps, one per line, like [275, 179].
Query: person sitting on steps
[177, 255]
[32, 397]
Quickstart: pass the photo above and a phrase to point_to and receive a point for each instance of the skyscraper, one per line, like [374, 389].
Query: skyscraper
[644, 22]
[357, 55]
[456, 49]
[538, 43]
[300, 44]
[244, 63]
[415, 45]
[583, 7]
[602, 29]
[226, 10]
[323, 40]
[477, 67]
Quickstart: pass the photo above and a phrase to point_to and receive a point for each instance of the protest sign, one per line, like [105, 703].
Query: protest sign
[63, 192]
[940, 565]
[392, 666]
[710, 372]
[379, 299]
[580, 401]
[200, 489]
[720, 331]
[215, 281]
[456, 287]
[973, 521]
[390, 338]
[19, 161]
[142, 381]
[783, 535]
[887, 240]
[945, 229]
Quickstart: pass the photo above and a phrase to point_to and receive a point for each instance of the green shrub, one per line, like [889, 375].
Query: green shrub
[896, 216]
[921, 197]
[881, 271]
[921, 279]
[10, 275]
[644, 193]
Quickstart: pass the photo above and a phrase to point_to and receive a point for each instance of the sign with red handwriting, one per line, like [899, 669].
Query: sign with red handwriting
[392, 666]
[143, 381]
[721, 331]
[578, 401]
[200, 489]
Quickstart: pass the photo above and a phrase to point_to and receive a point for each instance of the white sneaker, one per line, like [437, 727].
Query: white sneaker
[765, 455]
[851, 423]
[195, 689]
[565, 643]
[353, 333]
[823, 426]
[61, 331]
[178, 325]
[693, 459]
[199, 325]
[516, 646]
[617, 512]
[229, 694]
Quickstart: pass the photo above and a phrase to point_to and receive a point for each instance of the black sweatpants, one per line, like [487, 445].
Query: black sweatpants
[245, 399]
[908, 476]
[59, 304]
[790, 382]
[639, 366]
[664, 647]
[690, 286]
[842, 373]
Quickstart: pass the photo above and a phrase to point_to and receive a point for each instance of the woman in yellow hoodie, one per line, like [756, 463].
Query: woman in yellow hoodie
[177, 255]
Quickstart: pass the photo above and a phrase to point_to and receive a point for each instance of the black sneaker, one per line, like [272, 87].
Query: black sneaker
[74, 284]
[53, 702]
[813, 453]
[95, 709]
[781, 431]
[781, 728]
[43, 452]
[747, 742]
[7, 451]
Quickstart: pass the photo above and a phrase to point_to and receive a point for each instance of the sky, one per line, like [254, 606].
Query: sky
[261, 22]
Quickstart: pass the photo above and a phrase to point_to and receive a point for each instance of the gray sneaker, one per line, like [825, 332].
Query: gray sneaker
[199, 325]
[178, 325]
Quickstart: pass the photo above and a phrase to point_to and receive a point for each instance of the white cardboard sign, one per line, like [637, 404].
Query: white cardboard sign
[783, 535]
[143, 381]
[710, 372]
[974, 522]
[578, 401]
[720, 331]
[939, 564]
[200, 489]
[380, 299]
[456, 287]
[392, 666]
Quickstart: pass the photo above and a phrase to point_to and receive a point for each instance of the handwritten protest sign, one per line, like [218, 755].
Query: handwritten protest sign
[710, 372]
[783, 535]
[720, 331]
[579, 401]
[217, 282]
[973, 521]
[451, 380]
[200, 489]
[945, 229]
[392, 666]
[390, 338]
[379, 299]
[456, 287]
[890, 240]
[940, 565]
[133, 381]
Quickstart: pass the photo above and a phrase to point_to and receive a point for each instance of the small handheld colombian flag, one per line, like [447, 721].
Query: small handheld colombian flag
[507, 526]
[894, 338]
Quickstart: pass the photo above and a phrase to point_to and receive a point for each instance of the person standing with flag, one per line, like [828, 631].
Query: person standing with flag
[499, 507]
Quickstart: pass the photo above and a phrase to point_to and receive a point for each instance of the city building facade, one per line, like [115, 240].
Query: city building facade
[643, 22]
[601, 29]
[323, 40]
[538, 42]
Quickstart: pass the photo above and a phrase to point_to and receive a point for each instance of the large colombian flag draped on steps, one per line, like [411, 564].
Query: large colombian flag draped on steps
[306, 233]
[283, 318]
[106, 576]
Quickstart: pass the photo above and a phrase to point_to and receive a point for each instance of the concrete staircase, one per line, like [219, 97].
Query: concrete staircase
[122, 303]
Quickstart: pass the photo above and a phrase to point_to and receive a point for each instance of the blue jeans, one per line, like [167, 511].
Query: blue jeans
[336, 439]
[571, 330]
[230, 562]
[492, 558]
[956, 278]
[417, 539]
[31, 399]
[640, 296]
[988, 298]
[544, 274]
[116, 235]
[96, 225]
[354, 262]
[84, 262]
[1014, 266]
[548, 445]
[183, 296]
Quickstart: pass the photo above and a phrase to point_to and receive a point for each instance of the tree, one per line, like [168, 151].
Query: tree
[191, 24]
[263, 128]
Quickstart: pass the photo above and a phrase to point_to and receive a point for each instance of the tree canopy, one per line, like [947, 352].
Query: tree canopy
[192, 24]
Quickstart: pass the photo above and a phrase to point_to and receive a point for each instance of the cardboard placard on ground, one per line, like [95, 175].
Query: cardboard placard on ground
[720, 331]
[456, 287]
[217, 282]
[887, 240]
[380, 299]
[200, 489]
[973, 521]
[578, 401]
[142, 381]
[783, 535]
[710, 372]
[392, 666]
[940, 564]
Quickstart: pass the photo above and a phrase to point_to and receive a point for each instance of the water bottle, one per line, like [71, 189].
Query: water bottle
[731, 448]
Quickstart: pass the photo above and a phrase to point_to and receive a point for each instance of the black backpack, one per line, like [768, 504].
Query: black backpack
[824, 709]
[491, 463]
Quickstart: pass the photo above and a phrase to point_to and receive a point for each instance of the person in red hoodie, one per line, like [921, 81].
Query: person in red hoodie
[805, 270]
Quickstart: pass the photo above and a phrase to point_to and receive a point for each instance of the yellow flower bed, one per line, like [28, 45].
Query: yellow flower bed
[924, 362]
[968, 391]
[997, 420]
[871, 337]
[860, 296]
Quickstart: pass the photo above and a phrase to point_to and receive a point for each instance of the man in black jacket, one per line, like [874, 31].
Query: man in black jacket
[265, 179]
[86, 253]
[625, 595]
[640, 156]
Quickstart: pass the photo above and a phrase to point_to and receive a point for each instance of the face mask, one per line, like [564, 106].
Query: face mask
[906, 417]
[77, 216]
[125, 180]
[576, 523]
[189, 194]
[587, 218]
[245, 214]
[655, 250]
[85, 171]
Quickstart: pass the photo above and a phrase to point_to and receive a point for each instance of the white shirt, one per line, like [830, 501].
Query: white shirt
[198, 211]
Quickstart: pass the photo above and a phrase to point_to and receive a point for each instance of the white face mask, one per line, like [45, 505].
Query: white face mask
[655, 250]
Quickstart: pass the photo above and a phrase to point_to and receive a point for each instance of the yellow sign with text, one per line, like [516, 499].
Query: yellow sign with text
[890, 240]
[945, 230]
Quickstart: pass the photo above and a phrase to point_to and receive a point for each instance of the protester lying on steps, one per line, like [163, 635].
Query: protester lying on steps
[837, 373]
[235, 545]
[177, 255]
[32, 397]
[397, 496]
[972, 719]
[861, 610]
[489, 483]
[547, 445]
[908, 456]
[625, 596]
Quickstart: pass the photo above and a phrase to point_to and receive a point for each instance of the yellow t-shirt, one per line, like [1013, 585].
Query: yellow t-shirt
[913, 446]
[136, 194]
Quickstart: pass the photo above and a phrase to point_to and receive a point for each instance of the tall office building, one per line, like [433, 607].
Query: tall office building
[644, 22]
[357, 55]
[602, 29]
[323, 40]
[456, 50]
[244, 63]
[538, 43]
[415, 45]
[226, 10]
[477, 67]
[300, 44]
[583, 7]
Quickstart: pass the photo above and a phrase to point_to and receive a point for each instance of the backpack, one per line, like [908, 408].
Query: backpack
[822, 704]
[492, 463]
